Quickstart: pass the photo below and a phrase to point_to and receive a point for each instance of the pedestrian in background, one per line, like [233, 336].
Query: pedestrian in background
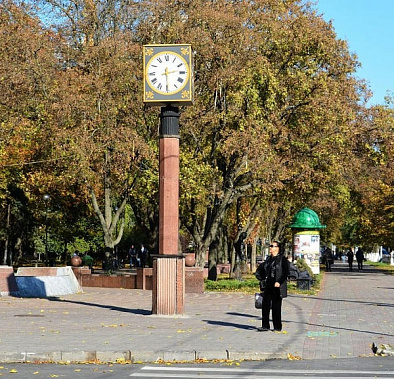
[328, 258]
[133, 256]
[143, 255]
[350, 258]
[272, 274]
[360, 258]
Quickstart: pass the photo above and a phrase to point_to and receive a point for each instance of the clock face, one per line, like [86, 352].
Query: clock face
[167, 73]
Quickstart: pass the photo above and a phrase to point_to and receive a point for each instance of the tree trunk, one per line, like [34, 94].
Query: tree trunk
[204, 234]
[7, 241]
[232, 260]
[213, 260]
[111, 217]
[200, 255]
[253, 255]
[18, 251]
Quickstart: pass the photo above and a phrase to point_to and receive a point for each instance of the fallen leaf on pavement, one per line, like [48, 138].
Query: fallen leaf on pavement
[292, 357]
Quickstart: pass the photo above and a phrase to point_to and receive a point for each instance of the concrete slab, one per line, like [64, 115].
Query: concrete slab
[179, 356]
[54, 356]
[46, 281]
[113, 356]
[79, 356]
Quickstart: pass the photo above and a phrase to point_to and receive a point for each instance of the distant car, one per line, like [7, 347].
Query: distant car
[385, 256]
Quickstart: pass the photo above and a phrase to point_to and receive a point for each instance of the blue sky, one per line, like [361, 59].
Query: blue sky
[368, 27]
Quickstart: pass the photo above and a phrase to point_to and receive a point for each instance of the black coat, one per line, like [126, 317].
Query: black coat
[274, 269]
[360, 255]
[350, 256]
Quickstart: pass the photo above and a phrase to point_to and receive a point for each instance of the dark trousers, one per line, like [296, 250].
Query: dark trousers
[272, 299]
[360, 265]
[350, 265]
[133, 261]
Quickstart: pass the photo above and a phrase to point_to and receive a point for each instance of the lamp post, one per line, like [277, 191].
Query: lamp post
[116, 265]
[46, 199]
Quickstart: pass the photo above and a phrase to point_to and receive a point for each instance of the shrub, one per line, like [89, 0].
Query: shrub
[249, 285]
[303, 266]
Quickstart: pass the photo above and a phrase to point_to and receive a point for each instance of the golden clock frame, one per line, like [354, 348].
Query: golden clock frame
[183, 97]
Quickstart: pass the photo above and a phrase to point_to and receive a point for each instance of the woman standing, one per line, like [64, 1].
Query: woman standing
[272, 274]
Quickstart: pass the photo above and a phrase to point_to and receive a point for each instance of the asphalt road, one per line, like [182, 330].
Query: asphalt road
[368, 367]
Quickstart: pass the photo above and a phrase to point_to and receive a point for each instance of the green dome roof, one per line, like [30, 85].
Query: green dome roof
[306, 219]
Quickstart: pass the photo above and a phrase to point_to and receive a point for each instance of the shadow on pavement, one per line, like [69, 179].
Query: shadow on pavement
[327, 326]
[242, 314]
[110, 307]
[230, 324]
[373, 303]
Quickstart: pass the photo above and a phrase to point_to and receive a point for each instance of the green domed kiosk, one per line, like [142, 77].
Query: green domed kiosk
[306, 237]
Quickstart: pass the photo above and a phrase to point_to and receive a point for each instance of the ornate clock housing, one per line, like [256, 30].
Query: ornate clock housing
[168, 76]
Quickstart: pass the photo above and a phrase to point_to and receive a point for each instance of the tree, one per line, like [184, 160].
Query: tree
[375, 190]
[275, 97]
[26, 67]
[277, 112]
[96, 104]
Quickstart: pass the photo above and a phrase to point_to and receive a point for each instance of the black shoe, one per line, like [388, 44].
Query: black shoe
[277, 330]
[261, 329]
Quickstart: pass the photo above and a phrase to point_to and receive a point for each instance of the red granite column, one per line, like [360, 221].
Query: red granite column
[169, 196]
[168, 268]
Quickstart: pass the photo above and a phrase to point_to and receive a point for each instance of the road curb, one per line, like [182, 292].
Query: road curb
[135, 356]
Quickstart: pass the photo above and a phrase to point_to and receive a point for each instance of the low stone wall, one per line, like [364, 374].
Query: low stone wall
[107, 281]
[143, 279]
[194, 280]
[42, 271]
[8, 284]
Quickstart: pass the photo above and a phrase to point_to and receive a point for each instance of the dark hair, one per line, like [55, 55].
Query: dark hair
[279, 245]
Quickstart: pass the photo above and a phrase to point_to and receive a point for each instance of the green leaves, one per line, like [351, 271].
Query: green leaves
[278, 119]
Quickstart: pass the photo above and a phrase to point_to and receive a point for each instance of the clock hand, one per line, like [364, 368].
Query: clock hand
[167, 73]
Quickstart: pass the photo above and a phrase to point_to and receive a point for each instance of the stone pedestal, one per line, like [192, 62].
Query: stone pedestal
[168, 290]
[194, 280]
[168, 281]
[8, 285]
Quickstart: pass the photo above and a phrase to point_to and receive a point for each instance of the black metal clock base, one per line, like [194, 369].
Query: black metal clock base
[169, 122]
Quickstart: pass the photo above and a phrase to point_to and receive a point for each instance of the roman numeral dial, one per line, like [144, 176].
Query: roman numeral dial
[167, 73]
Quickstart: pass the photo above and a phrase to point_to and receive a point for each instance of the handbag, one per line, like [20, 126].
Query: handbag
[258, 300]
